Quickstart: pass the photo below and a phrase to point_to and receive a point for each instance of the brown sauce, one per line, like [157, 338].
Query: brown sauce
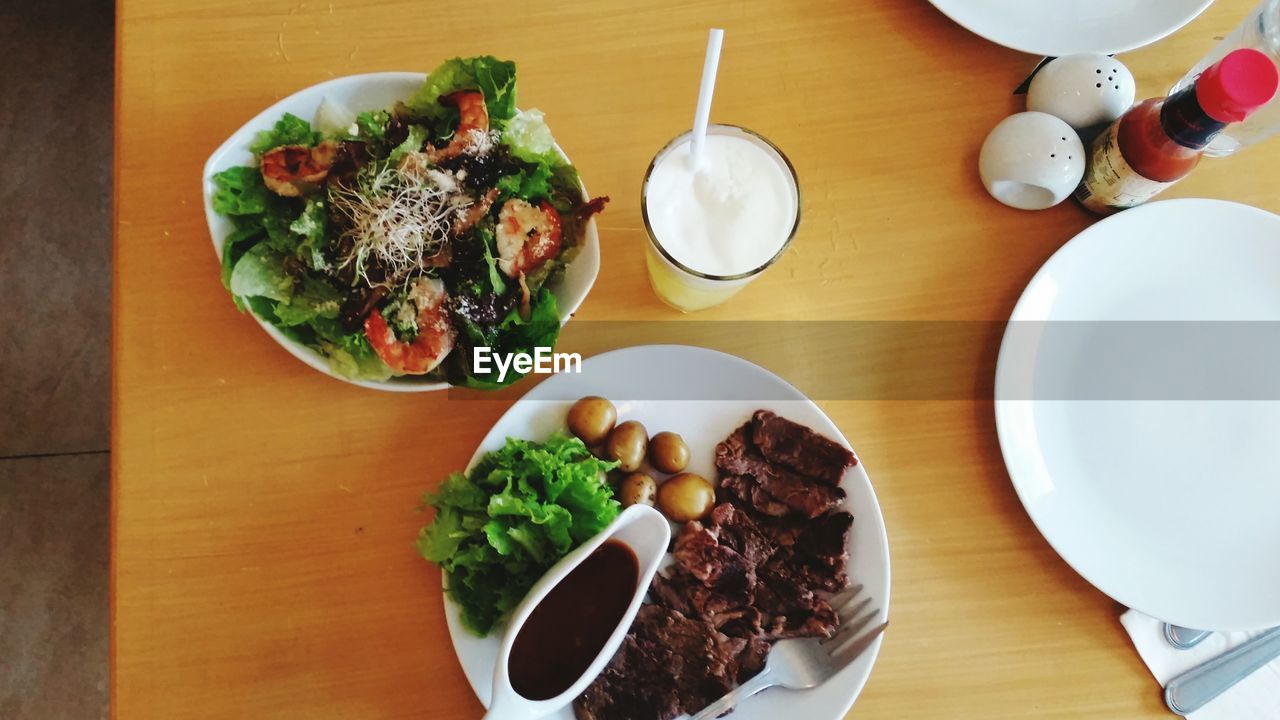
[566, 631]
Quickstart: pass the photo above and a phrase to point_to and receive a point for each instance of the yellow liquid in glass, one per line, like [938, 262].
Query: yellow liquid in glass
[683, 291]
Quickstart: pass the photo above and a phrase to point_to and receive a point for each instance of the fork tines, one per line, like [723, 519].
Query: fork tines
[845, 644]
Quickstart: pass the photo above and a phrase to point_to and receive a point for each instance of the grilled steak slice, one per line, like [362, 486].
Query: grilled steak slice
[790, 607]
[743, 491]
[718, 566]
[799, 448]
[684, 663]
[826, 539]
[798, 493]
[734, 528]
[737, 456]
[635, 684]
[682, 592]
[752, 658]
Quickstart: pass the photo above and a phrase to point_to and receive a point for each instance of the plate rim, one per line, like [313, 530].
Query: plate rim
[1005, 410]
[216, 163]
[947, 8]
[450, 609]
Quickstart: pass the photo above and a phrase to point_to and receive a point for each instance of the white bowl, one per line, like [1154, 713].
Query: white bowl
[373, 91]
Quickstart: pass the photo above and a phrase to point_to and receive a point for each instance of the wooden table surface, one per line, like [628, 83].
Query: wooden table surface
[264, 515]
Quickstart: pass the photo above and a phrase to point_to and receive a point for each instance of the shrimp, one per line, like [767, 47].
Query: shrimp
[436, 336]
[473, 125]
[528, 236]
[292, 170]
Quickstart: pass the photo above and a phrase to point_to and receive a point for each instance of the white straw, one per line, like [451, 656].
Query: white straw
[703, 112]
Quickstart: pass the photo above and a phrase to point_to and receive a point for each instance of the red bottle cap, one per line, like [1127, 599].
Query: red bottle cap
[1240, 83]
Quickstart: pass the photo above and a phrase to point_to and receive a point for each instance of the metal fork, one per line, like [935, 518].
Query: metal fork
[801, 664]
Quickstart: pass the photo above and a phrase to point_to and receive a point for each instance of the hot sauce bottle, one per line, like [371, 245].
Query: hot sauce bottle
[1159, 141]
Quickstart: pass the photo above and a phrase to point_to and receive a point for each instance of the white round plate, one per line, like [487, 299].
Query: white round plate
[1170, 506]
[1066, 27]
[640, 381]
[373, 91]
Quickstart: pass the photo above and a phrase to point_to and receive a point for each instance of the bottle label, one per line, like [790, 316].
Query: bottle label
[1109, 183]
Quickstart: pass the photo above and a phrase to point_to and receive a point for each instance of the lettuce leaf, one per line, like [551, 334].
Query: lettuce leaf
[355, 359]
[530, 140]
[372, 126]
[235, 245]
[530, 185]
[240, 191]
[288, 130]
[498, 528]
[311, 299]
[311, 226]
[495, 78]
[412, 143]
[260, 273]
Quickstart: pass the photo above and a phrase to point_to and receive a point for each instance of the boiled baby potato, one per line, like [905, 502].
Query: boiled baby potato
[686, 497]
[668, 452]
[637, 489]
[591, 418]
[627, 444]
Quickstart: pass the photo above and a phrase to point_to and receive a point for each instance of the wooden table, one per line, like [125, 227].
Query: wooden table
[264, 515]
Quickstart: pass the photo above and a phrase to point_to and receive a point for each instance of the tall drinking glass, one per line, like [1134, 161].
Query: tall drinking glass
[716, 225]
[1261, 31]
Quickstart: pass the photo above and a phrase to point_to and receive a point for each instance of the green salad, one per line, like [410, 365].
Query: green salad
[393, 240]
[501, 526]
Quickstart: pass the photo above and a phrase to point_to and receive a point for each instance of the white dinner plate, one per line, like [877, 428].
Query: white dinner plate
[1065, 27]
[721, 392]
[1138, 419]
[372, 91]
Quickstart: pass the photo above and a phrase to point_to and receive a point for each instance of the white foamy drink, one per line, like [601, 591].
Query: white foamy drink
[730, 214]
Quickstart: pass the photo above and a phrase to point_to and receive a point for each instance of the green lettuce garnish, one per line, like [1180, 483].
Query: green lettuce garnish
[499, 527]
[288, 130]
[260, 273]
[311, 226]
[312, 298]
[495, 78]
[530, 185]
[530, 140]
[412, 143]
[349, 354]
[239, 191]
[372, 125]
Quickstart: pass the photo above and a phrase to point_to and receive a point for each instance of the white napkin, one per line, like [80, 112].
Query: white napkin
[1257, 697]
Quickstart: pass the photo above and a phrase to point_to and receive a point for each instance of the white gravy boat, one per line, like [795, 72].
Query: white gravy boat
[640, 528]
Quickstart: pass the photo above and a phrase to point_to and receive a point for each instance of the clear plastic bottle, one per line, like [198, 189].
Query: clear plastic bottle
[1261, 31]
[1158, 141]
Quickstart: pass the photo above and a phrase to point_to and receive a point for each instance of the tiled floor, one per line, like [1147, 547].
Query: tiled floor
[55, 250]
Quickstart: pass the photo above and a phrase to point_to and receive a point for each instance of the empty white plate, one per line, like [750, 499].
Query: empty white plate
[1136, 409]
[1065, 27]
